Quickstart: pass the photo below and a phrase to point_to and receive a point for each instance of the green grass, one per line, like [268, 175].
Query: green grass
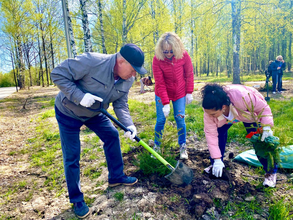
[244, 77]
[119, 196]
[45, 149]
[280, 209]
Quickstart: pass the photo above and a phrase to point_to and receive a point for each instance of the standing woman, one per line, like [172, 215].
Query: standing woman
[277, 68]
[224, 106]
[173, 73]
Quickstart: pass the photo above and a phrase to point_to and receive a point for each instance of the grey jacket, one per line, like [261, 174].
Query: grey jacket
[91, 73]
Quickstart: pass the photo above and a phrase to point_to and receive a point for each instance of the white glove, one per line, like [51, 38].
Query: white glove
[166, 110]
[189, 98]
[129, 134]
[88, 100]
[218, 167]
[266, 132]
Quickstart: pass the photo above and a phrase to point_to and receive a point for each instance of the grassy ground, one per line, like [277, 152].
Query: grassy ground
[43, 151]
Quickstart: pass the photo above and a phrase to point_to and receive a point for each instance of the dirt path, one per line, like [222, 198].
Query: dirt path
[25, 196]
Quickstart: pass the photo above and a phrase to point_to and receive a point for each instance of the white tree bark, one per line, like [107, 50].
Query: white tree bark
[85, 26]
[236, 27]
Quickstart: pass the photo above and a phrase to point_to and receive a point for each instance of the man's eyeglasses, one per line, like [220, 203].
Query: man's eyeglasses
[167, 51]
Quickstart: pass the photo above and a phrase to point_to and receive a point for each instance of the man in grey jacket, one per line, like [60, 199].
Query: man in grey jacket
[84, 81]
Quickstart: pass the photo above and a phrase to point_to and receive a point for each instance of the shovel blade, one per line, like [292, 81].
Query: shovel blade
[181, 175]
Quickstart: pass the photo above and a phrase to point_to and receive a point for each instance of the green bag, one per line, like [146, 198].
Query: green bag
[250, 158]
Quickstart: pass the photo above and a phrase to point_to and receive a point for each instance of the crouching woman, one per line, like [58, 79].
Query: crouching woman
[225, 105]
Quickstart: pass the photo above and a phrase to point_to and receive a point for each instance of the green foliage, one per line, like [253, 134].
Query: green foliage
[268, 149]
[194, 119]
[92, 172]
[149, 165]
[119, 196]
[245, 210]
[6, 80]
[280, 209]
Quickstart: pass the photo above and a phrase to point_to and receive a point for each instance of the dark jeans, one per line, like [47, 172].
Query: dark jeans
[223, 135]
[69, 129]
[277, 79]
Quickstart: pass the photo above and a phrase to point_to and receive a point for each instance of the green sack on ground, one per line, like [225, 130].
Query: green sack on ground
[250, 158]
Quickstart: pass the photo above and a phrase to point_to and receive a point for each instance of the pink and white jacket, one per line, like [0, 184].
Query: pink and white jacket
[236, 94]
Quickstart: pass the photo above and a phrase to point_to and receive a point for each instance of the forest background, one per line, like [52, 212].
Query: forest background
[224, 38]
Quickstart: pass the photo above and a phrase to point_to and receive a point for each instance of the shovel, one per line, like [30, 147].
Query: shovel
[180, 175]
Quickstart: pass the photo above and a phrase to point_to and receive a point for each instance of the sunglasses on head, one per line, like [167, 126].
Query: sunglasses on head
[167, 51]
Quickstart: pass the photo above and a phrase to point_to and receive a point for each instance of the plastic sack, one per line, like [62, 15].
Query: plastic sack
[250, 158]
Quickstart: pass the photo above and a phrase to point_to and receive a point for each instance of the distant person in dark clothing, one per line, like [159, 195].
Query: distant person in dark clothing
[145, 81]
[270, 71]
[277, 68]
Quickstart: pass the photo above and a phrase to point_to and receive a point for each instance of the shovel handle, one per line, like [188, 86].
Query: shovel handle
[149, 149]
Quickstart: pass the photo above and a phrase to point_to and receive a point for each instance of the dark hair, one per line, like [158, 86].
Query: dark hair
[214, 97]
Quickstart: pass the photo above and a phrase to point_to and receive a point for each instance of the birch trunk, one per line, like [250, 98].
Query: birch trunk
[236, 26]
[102, 26]
[85, 26]
[70, 30]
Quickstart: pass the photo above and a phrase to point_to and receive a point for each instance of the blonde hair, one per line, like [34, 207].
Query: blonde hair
[174, 41]
[279, 57]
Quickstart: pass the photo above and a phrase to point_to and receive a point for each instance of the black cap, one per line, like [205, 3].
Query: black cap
[134, 55]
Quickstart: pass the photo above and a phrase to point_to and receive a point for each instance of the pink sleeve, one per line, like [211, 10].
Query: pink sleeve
[260, 104]
[211, 133]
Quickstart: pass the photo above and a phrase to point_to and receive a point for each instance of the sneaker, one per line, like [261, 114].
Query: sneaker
[125, 180]
[208, 169]
[157, 149]
[183, 152]
[81, 210]
[274, 92]
[280, 92]
[270, 179]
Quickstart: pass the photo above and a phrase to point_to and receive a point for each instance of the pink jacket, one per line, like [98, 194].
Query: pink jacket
[174, 79]
[236, 94]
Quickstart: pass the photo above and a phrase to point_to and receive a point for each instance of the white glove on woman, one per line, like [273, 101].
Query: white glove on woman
[218, 167]
[189, 98]
[88, 100]
[130, 135]
[266, 132]
[166, 110]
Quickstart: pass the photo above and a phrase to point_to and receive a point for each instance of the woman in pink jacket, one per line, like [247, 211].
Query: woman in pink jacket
[173, 73]
[224, 106]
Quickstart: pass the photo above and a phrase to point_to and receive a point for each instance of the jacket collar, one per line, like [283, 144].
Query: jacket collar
[231, 108]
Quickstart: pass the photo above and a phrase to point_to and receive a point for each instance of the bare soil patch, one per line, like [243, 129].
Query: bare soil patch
[152, 198]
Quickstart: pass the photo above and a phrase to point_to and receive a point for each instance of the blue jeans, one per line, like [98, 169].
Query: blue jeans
[179, 115]
[69, 129]
[223, 135]
[277, 79]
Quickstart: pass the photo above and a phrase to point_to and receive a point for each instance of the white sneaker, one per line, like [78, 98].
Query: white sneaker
[157, 149]
[208, 169]
[270, 179]
[280, 92]
[274, 92]
[183, 152]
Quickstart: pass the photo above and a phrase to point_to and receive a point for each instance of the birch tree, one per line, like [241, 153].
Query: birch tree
[85, 26]
[236, 28]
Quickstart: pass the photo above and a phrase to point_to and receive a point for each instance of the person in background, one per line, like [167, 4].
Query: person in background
[145, 81]
[270, 71]
[173, 73]
[223, 106]
[277, 68]
[83, 81]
